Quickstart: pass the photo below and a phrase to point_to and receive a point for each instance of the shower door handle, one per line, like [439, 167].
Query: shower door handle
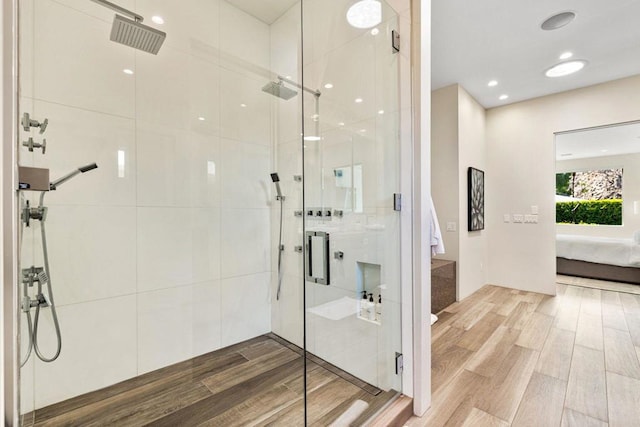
[317, 259]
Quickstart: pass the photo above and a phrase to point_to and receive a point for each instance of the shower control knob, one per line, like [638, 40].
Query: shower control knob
[31, 145]
[28, 123]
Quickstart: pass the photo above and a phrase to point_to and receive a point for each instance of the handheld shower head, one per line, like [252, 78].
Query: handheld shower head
[82, 169]
[276, 180]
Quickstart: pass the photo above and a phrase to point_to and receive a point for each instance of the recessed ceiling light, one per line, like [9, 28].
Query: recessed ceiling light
[365, 14]
[243, 105]
[566, 55]
[363, 130]
[375, 32]
[381, 112]
[557, 21]
[127, 71]
[202, 119]
[312, 138]
[503, 97]
[565, 68]
[358, 100]
[328, 86]
[342, 124]
[158, 19]
[492, 83]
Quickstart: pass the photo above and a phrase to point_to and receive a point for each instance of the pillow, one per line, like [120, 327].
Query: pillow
[636, 237]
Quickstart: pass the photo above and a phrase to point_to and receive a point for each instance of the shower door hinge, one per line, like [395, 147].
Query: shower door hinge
[397, 202]
[395, 41]
[399, 363]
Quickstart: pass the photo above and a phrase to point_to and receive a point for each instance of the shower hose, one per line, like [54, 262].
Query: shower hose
[280, 253]
[33, 324]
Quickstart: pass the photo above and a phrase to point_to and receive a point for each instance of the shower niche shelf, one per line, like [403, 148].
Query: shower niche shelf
[369, 285]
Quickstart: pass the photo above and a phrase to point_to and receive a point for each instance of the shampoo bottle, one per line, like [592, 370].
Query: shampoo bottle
[371, 308]
[379, 308]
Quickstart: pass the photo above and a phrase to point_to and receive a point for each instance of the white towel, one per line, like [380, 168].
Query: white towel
[437, 244]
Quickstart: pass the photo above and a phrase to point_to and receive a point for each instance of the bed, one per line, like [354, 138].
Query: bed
[602, 258]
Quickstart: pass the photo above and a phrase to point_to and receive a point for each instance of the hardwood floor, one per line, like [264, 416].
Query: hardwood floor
[504, 357]
[255, 383]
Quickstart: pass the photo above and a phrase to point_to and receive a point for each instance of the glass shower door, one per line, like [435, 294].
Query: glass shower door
[351, 229]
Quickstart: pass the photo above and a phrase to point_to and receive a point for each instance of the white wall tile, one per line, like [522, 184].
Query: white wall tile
[98, 349]
[177, 167]
[85, 244]
[184, 23]
[162, 88]
[177, 324]
[96, 82]
[246, 242]
[77, 137]
[245, 108]
[246, 307]
[177, 247]
[245, 171]
[243, 37]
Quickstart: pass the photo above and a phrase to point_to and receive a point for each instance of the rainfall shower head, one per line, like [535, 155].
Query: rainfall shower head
[131, 32]
[276, 180]
[82, 169]
[136, 35]
[278, 89]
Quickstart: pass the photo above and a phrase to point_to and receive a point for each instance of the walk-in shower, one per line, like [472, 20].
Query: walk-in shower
[42, 275]
[180, 265]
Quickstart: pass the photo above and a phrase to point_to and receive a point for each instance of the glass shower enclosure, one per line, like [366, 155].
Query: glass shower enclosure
[233, 195]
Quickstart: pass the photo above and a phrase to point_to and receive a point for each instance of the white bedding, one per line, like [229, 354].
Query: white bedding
[602, 250]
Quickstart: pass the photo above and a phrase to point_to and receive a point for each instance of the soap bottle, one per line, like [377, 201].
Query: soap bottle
[379, 308]
[371, 308]
[363, 305]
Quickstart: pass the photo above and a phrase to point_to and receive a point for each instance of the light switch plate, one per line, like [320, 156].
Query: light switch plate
[518, 218]
[506, 218]
[451, 226]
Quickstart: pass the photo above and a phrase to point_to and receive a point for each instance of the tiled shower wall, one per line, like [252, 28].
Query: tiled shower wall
[164, 251]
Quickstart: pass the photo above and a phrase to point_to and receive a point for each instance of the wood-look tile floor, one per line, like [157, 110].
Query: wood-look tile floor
[255, 383]
[504, 357]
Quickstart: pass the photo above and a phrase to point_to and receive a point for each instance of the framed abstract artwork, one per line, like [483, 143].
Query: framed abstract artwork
[475, 202]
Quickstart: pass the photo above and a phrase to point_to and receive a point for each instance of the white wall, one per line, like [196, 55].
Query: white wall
[458, 142]
[472, 149]
[445, 176]
[171, 258]
[630, 163]
[521, 166]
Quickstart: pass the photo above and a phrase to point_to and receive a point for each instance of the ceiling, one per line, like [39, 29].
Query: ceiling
[474, 42]
[598, 142]
[268, 11]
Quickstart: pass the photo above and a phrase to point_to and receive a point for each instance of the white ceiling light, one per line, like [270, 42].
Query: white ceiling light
[375, 32]
[566, 55]
[328, 86]
[565, 68]
[381, 112]
[312, 138]
[202, 119]
[503, 97]
[158, 19]
[557, 21]
[365, 14]
[492, 83]
[358, 100]
[127, 71]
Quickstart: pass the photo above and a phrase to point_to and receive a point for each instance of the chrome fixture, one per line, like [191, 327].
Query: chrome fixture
[31, 145]
[276, 180]
[133, 33]
[28, 123]
[281, 91]
[42, 275]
